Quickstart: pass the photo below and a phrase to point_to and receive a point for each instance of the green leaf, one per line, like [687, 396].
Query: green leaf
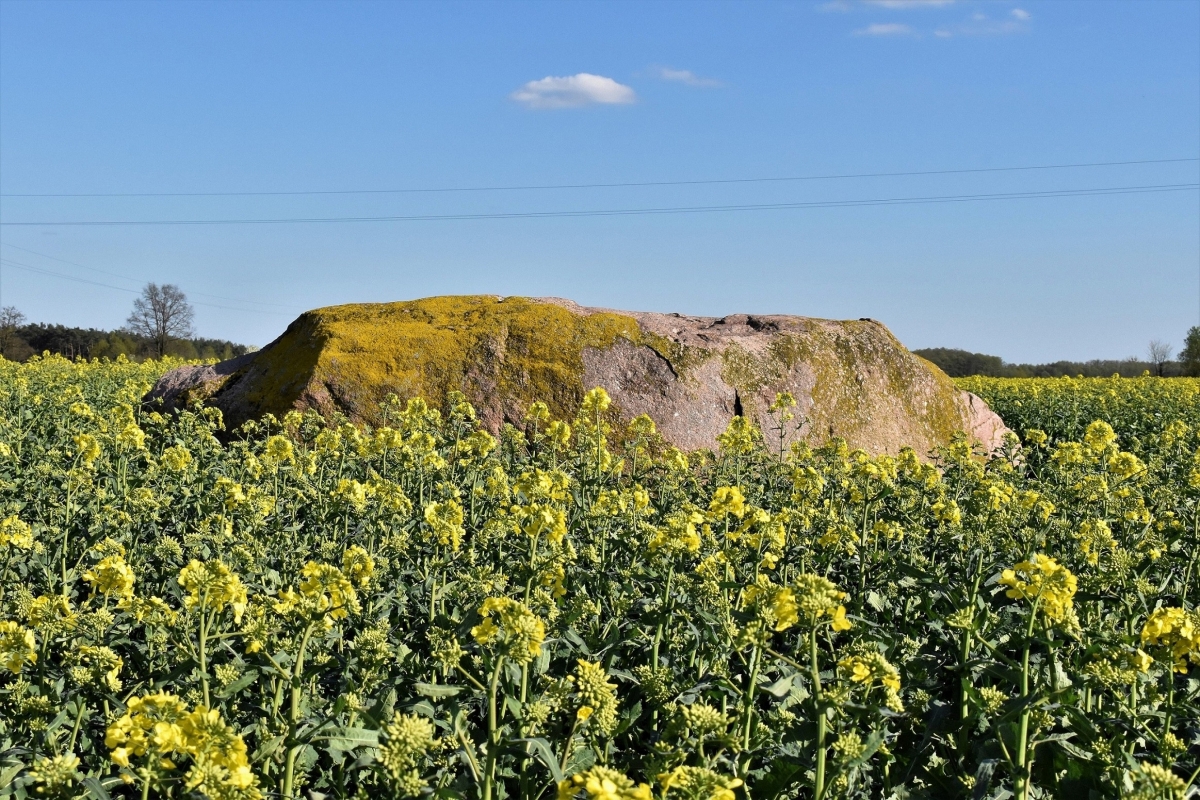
[871, 746]
[545, 754]
[1061, 739]
[241, 683]
[350, 738]
[781, 687]
[268, 747]
[7, 774]
[436, 690]
[784, 772]
[580, 760]
[94, 789]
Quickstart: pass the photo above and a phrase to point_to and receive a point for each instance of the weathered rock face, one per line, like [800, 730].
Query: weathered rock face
[852, 379]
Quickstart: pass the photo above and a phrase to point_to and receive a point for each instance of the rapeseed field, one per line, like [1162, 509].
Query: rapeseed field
[574, 609]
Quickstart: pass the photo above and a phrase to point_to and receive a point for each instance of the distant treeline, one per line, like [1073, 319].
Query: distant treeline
[19, 343]
[962, 363]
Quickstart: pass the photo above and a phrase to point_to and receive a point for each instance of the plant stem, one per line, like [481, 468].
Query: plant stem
[204, 651]
[819, 781]
[75, 728]
[289, 773]
[1024, 765]
[489, 774]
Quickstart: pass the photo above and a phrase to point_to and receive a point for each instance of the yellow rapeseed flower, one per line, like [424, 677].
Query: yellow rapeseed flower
[358, 566]
[112, 576]
[727, 500]
[697, 782]
[541, 520]
[15, 533]
[1043, 582]
[212, 586]
[775, 606]
[1177, 630]
[177, 458]
[595, 402]
[602, 783]
[18, 646]
[131, 437]
[87, 447]
[446, 521]
[510, 629]
[817, 598]
[596, 695]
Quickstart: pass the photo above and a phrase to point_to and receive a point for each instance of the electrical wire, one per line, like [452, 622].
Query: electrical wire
[8, 262]
[893, 201]
[29, 268]
[632, 184]
[138, 280]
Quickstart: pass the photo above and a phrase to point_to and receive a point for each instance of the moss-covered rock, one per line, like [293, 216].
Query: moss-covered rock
[690, 374]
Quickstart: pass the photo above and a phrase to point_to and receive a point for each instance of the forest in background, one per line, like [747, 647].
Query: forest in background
[18, 343]
[963, 364]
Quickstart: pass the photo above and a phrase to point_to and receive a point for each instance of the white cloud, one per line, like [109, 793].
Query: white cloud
[985, 27]
[688, 78]
[909, 3]
[885, 29]
[1020, 14]
[573, 91]
[849, 5]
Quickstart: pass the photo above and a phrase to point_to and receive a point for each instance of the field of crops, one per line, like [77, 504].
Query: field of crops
[575, 610]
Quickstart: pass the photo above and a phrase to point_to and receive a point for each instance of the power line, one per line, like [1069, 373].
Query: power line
[632, 184]
[138, 280]
[893, 201]
[41, 271]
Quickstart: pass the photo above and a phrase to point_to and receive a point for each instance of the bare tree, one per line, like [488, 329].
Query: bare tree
[1160, 353]
[10, 320]
[161, 314]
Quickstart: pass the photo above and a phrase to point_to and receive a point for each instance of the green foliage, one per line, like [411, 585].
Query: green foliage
[422, 609]
[29, 340]
[1189, 358]
[962, 364]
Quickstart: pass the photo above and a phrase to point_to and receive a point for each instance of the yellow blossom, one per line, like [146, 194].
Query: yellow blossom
[690, 782]
[358, 566]
[727, 500]
[817, 598]
[18, 646]
[1177, 630]
[15, 533]
[510, 629]
[446, 521]
[212, 586]
[112, 576]
[602, 783]
[1045, 583]
[88, 448]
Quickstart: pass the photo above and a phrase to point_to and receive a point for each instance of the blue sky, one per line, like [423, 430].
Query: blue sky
[104, 98]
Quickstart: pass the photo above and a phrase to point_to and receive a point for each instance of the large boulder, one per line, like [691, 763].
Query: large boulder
[851, 378]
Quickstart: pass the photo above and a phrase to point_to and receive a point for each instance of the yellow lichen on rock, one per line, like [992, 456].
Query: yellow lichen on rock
[499, 351]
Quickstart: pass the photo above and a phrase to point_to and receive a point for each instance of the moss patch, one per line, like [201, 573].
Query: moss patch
[683, 359]
[512, 350]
